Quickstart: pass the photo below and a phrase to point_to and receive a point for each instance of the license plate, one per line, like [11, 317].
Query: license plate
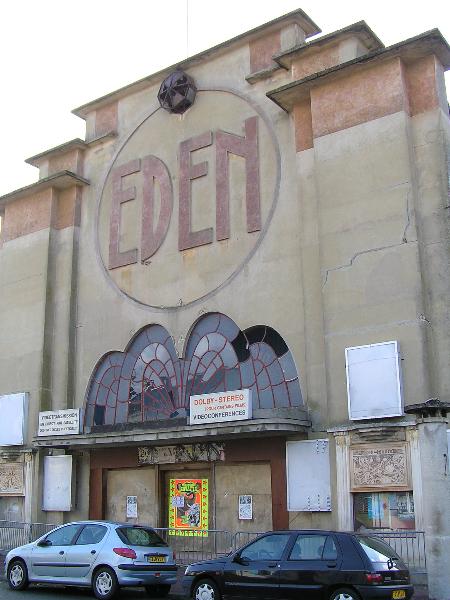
[398, 594]
[162, 559]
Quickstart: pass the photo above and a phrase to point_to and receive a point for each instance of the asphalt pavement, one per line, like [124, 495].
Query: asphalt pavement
[41, 592]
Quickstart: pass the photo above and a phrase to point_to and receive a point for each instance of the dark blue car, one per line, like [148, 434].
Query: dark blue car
[314, 565]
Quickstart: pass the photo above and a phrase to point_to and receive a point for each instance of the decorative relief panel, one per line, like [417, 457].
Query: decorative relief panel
[207, 452]
[380, 466]
[11, 479]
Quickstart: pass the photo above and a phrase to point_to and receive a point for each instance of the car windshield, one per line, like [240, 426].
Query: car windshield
[140, 536]
[377, 550]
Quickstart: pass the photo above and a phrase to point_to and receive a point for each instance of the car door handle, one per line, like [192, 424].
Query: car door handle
[331, 565]
[61, 551]
[93, 551]
[272, 565]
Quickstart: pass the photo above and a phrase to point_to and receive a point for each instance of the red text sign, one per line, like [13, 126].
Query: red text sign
[155, 173]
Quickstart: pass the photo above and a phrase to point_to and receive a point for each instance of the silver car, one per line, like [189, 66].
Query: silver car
[98, 554]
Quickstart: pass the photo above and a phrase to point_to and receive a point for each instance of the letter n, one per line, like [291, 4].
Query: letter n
[247, 148]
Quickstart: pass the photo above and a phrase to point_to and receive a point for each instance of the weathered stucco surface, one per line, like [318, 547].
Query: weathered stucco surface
[353, 248]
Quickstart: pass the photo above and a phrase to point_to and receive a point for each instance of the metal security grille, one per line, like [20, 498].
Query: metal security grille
[410, 545]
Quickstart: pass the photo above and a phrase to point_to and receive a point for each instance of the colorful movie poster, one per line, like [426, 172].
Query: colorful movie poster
[188, 507]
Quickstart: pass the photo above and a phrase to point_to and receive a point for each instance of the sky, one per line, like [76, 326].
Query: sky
[58, 55]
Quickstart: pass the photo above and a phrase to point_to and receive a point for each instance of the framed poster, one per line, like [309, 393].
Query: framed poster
[132, 507]
[57, 489]
[188, 507]
[246, 507]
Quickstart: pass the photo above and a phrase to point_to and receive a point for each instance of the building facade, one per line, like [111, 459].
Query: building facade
[228, 306]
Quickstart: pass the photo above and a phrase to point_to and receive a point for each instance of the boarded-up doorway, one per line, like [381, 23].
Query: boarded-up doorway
[124, 483]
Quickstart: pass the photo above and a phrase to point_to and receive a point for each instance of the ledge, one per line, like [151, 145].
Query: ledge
[394, 422]
[59, 181]
[181, 434]
[360, 30]
[264, 74]
[76, 144]
[431, 42]
[105, 137]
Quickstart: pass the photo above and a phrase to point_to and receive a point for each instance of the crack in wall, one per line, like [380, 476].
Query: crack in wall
[380, 248]
[357, 255]
[408, 217]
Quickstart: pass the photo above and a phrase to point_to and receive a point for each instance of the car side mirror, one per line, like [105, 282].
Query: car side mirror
[44, 543]
[240, 560]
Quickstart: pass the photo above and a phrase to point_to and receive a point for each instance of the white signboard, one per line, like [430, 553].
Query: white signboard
[221, 407]
[246, 507]
[132, 507]
[13, 411]
[308, 475]
[59, 422]
[57, 486]
[374, 385]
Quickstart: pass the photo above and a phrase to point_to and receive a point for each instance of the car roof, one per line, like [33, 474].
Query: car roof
[104, 522]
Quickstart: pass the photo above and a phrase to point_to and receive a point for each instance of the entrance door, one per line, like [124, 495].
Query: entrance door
[138, 484]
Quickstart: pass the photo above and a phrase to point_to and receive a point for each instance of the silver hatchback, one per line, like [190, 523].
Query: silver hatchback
[100, 554]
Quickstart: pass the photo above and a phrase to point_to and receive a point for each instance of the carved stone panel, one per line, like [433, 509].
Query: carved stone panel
[11, 479]
[207, 452]
[380, 466]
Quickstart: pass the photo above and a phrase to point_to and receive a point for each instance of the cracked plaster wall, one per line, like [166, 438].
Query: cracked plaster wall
[375, 254]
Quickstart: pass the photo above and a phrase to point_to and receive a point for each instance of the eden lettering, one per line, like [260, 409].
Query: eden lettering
[154, 172]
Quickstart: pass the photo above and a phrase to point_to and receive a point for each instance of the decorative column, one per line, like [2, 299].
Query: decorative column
[344, 497]
[412, 437]
[433, 446]
[28, 481]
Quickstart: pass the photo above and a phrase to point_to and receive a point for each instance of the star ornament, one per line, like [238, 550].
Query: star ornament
[177, 93]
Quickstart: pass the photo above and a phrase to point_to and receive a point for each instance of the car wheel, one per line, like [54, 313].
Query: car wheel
[205, 589]
[344, 594]
[17, 575]
[157, 591]
[104, 583]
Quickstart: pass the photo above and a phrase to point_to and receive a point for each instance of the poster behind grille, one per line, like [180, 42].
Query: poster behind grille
[188, 507]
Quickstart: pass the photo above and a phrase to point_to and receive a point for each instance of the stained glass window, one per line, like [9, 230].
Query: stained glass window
[148, 382]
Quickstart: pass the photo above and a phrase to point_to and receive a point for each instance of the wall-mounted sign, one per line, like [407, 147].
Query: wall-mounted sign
[221, 407]
[132, 512]
[188, 507]
[205, 452]
[246, 507]
[59, 422]
[14, 411]
[11, 479]
[308, 475]
[380, 466]
[374, 382]
[181, 195]
[58, 490]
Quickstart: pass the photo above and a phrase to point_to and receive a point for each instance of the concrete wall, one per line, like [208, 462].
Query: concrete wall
[234, 480]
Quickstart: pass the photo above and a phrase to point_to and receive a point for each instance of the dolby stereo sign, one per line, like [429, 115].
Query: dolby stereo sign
[187, 199]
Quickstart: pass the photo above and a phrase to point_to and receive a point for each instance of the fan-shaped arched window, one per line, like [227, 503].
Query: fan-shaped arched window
[148, 382]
